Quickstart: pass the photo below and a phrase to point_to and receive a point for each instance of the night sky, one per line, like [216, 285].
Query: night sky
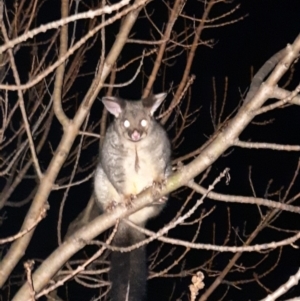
[268, 26]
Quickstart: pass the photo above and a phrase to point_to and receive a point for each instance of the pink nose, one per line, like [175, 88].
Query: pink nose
[135, 136]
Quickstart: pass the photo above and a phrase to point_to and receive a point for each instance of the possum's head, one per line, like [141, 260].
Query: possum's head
[134, 119]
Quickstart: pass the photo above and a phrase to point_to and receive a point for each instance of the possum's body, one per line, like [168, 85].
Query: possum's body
[135, 153]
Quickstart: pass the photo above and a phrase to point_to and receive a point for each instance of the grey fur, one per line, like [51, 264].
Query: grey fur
[135, 153]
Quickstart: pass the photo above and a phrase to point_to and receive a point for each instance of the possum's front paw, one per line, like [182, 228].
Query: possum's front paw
[111, 206]
[159, 184]
[157, 187]
[128, 199]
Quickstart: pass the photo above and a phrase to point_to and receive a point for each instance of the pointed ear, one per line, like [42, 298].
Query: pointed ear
[154, 101]
[114, 105]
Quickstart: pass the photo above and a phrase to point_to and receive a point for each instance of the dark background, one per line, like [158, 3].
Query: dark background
[268, 27]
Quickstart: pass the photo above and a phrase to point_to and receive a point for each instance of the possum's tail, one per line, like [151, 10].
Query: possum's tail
[128, 271]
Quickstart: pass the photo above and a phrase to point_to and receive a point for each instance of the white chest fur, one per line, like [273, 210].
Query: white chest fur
[140, 170]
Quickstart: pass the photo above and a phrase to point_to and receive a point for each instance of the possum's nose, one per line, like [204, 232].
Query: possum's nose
[135, 136]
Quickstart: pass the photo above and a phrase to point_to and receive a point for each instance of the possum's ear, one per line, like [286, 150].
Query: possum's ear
[114, 105]
[154, 101]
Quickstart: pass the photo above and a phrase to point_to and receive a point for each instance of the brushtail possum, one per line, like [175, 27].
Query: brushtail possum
[134, 155]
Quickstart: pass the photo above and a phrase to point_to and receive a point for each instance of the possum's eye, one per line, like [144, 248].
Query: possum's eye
[126, 123]
[144, 123]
